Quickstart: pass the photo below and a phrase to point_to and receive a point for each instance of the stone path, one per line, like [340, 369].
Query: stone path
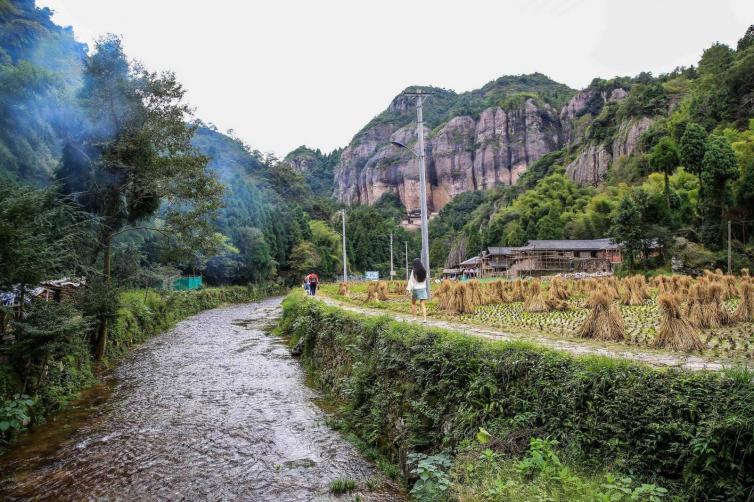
[653, 358]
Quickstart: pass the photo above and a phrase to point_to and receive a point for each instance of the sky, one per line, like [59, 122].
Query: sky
[282, 73]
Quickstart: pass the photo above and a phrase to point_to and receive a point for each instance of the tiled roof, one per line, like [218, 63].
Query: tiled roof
[572, 245]
[498, 251]
[471, 261]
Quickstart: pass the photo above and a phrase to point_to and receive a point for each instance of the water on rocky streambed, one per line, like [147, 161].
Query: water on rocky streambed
[215, 409]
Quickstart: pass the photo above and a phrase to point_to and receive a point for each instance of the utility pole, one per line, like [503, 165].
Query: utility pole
[422, 181]
[729, 249]
[345, 267]
[406, 243]
[392, 270]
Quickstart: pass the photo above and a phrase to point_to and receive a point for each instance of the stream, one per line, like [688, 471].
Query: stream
[214, 409]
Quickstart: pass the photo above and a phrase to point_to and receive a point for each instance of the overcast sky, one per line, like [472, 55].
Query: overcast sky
[282, 73]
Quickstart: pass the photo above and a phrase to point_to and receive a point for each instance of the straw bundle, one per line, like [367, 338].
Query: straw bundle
[604, 321]
[715, 311]
[398, 287]
[499, 291]
[745, 310]
[695, 311]
[517, 291]
[539, 301]
[443, 294]
[474, 294]
[675, 331]
[458, 300]
[634, 290]
[344, 289]
[382, 291]
[535, 300]
[730, 287]
[371, 292]
[558, 289]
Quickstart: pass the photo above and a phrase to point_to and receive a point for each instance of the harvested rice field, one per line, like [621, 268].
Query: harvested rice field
[702, 315]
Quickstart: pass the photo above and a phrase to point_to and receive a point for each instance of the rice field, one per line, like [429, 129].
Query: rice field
[676, 313]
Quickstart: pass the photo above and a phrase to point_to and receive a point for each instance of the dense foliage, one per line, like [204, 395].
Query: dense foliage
[404, 389]
[368, 230]
[700, 144]
[40, 66]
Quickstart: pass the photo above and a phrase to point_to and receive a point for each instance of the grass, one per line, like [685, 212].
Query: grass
[343, 485]
[735, 341]
[483, 474]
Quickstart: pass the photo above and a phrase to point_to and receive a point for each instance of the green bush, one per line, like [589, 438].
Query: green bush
[405, 388]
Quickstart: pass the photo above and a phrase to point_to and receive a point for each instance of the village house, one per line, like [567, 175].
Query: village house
[545, 257]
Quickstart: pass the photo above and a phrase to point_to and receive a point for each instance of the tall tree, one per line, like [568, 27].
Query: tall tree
[692, 147]
[38, 236]
[718, 168]
[627, 229]
[664, 157]
[134, 156]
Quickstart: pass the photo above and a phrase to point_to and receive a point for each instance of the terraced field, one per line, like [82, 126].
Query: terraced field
[735, 341]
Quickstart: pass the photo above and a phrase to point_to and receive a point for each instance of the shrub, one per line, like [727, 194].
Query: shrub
[405, 388]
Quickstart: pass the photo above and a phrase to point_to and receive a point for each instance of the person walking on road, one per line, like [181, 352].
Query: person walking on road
[313, 281]
[417, 287]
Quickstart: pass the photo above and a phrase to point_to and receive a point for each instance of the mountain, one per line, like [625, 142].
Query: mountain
[490, 136]
[267, 204]
[474, 141]
[40, 69]
[316, 168]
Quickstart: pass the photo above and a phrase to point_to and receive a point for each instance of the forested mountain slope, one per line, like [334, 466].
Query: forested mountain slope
[40, 70]
[667, 159]
[266, 203]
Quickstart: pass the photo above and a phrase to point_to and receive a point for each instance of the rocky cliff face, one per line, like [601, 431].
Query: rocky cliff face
[476, 151]
[465, 153]
[593, 160]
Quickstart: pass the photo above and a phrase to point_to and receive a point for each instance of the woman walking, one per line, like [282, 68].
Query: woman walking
[417, 286]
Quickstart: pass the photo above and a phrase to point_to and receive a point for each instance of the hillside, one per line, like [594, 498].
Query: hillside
[534, 159]
[266, 205]
[40, 69]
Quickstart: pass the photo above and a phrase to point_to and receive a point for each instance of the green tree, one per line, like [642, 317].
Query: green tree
[718, 168]
[46, 334]
[692, 146]
[710, 99]
[664, 157]
[550, 227]
[304, 260]
[135, 156]
[254, 254]
[745, 195]
[327, 243]
[38, 236]
[627, 230]
[514, 235]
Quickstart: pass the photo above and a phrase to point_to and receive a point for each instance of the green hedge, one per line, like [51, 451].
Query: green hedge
[406, 388]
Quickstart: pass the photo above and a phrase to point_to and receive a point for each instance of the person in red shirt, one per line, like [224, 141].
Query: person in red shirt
[313, 281]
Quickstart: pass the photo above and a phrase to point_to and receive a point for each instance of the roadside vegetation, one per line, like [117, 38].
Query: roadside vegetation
[480, 420]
